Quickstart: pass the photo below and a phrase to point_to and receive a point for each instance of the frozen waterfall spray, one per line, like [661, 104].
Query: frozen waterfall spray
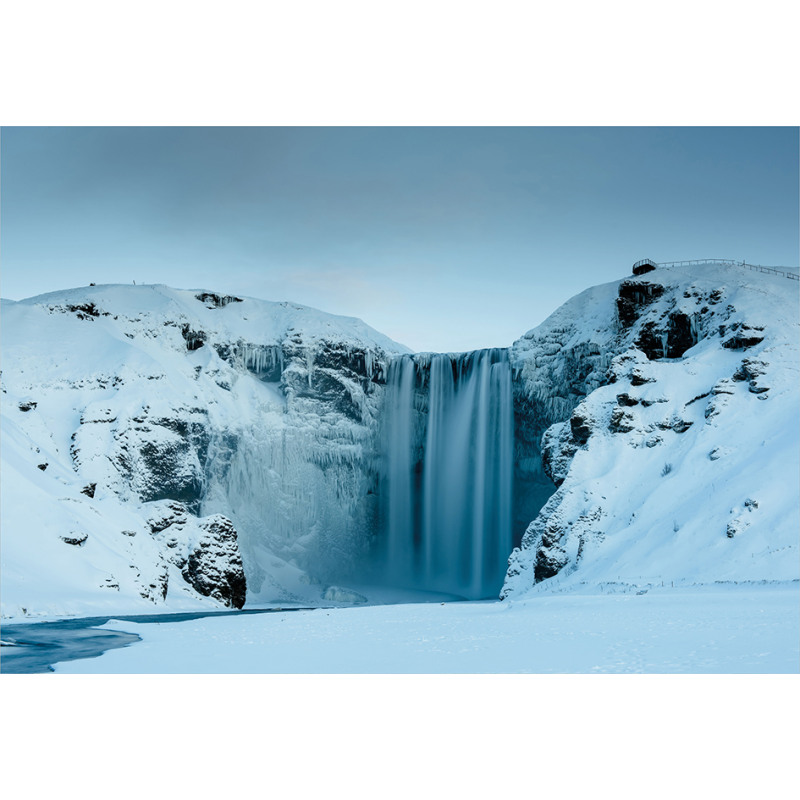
[447, 472]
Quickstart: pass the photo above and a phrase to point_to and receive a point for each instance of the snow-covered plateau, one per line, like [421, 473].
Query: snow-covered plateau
[168, 450]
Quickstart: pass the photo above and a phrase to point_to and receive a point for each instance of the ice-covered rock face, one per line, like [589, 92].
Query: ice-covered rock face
[256, 419]
[675, 435]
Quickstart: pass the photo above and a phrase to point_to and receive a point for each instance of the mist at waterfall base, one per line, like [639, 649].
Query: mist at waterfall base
[446, 473]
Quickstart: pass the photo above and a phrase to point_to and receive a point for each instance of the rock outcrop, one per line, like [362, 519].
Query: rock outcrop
[251, 423]
[630, 449]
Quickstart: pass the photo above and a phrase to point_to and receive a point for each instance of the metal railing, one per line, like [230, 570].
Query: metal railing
[729, 262]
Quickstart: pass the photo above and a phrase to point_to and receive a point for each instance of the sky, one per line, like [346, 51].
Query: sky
[443, 238]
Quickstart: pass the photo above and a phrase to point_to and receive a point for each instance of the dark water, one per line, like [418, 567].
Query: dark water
[39, 645]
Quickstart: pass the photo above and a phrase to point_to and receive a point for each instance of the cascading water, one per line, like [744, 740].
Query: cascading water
[447, 472]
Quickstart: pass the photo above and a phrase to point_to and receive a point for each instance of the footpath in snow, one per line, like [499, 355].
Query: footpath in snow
[724, 628]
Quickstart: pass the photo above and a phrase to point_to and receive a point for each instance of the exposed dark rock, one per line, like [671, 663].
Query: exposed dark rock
[742, 340]
[723, 387]
[714, 407]
[550, 558]
[194, 339]
[84, 311]
[340, 358]
[681, 425]
[558, 451]
[633, 297]
[675, 424]
[581, 425]
[43, 467]
[74, 451]
[89, 489]
[166, 466]
[734, 528]
[104, 416]
[330, 372]
[214, 567]
[681, 334]
[638, 378]
[669, 338]
[651, 341]
[621, 421]
[624, 365]
[28, 405]
[752, 370]
[698, 397]
[168, 479]
[211, 563]
[648, 403]
[76, 539]
[213, 300]
[626, 400]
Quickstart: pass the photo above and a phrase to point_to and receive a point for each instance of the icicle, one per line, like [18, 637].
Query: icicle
[310, 365]
[368, 363]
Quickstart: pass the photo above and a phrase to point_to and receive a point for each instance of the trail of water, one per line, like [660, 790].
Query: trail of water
[35, 647]
[447, 472]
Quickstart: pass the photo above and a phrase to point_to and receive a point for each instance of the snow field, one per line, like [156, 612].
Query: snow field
[709, 629]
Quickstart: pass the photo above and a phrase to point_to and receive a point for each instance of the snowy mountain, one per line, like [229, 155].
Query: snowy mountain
[673, 398]
[174, 447]
[166, 449]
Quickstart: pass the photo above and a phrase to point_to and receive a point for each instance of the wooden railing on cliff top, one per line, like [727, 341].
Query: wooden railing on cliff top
[731, 263]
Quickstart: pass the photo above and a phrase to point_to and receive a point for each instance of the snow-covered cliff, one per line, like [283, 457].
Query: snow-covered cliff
[668, 405]
[170, 447]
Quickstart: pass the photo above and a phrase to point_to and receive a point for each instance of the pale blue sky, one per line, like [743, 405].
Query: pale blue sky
[443, 238]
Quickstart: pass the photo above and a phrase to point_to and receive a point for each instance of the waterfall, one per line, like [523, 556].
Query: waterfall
[447, 472]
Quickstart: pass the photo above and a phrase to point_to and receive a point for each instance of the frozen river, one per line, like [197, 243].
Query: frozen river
[30, 647]
[698, 629]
